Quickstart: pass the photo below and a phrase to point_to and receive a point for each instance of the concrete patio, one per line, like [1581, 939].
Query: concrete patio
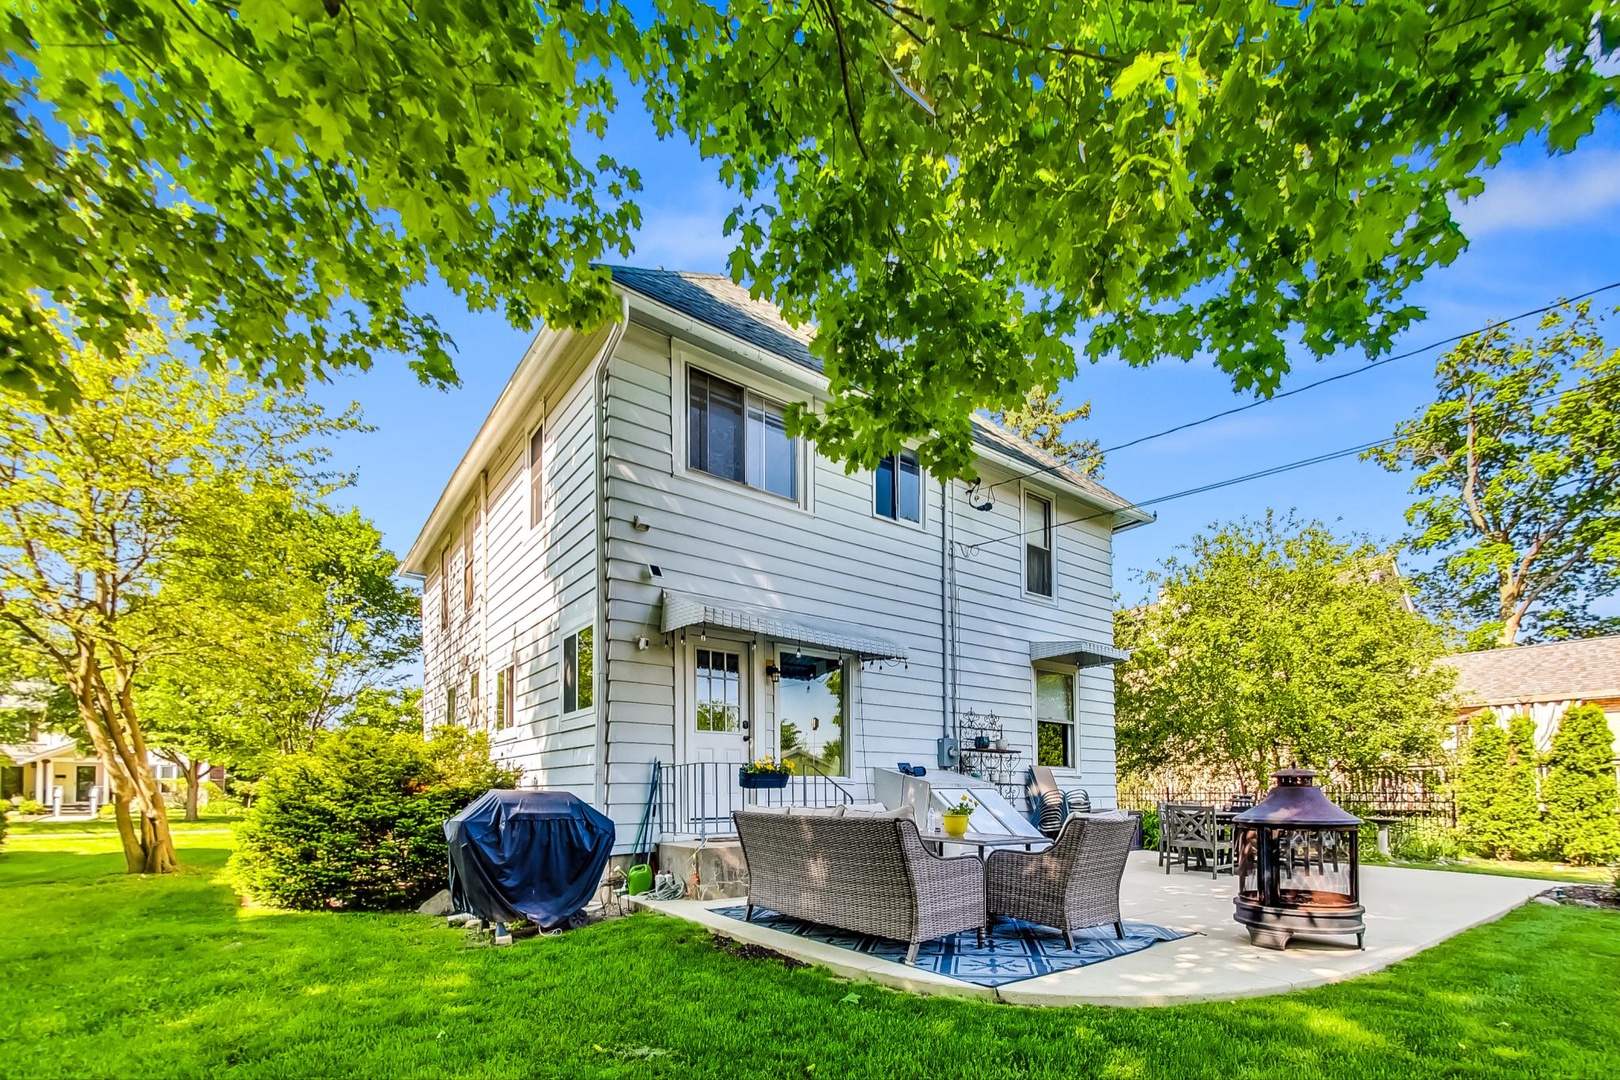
[1407, 911]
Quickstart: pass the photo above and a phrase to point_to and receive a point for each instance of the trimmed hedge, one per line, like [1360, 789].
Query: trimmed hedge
[358, 822]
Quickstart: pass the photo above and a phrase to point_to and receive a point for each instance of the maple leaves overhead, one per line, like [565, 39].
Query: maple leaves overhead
[946, 189]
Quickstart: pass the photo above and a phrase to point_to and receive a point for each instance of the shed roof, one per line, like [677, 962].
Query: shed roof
[1585, 668]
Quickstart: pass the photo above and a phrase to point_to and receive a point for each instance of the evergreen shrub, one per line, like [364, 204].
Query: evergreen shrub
[358, 821]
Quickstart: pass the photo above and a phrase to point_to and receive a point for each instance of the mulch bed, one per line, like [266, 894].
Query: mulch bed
[1598, 896]
[746, 951]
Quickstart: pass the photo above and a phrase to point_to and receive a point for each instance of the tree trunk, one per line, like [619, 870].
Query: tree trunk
[110, 720]
[193, 782]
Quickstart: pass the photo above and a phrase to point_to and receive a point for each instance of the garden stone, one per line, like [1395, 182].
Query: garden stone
[1588, 903]
[437, 904]
[1549, 901]
[461, 919]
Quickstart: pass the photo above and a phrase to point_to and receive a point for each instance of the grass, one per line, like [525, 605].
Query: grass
[109, 975]
[1553, 871]
[105, 826]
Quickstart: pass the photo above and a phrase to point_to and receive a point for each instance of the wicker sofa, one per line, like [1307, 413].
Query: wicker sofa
[868, 875]
[1071, 885]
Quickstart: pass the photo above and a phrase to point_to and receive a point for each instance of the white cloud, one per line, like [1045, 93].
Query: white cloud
[1579, 189]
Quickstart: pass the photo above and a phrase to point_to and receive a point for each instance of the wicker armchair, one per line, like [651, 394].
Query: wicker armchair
[866, 875]
[1071, 885]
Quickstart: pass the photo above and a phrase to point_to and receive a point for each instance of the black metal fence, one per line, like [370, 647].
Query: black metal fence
[695, 800]
[1411, 795]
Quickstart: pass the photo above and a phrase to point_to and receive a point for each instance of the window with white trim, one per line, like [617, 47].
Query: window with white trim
[537, 479]
[1054, 719]
[897, 487]
[444, 589]
[474, 706]
[469, 581]
[450, 704]
[505, 707]
[736, 435]
[1038, 560]
[579, 670]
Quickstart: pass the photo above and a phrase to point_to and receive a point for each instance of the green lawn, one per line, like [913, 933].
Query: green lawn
[113, 976]
[1581, 875]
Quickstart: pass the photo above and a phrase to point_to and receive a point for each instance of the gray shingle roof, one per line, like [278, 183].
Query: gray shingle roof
[717, 301]
[1587, 668]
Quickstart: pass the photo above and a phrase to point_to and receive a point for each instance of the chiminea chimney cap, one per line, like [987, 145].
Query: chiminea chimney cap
[1297, 802]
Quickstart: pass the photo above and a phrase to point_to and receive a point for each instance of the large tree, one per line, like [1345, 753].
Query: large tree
[946, 189]
[1518, 463]
[153, 473]
[1270, 643]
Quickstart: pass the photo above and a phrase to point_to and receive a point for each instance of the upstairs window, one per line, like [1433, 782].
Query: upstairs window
[475, 707]
[579, 683]
[739, 436]
[444, 589]
[537, 475]
[505, 709]
[450, 704]
[1037, 545]
[897, 487]
[469, 581]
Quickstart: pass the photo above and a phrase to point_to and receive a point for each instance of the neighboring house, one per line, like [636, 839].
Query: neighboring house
[42, 762]
[633, 562]
[1542, 681]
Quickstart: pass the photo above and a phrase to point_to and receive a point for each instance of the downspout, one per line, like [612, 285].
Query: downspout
[603, 667]
[945, 659]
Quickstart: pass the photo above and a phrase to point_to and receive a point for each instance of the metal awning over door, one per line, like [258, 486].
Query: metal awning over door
[1079, 653]
[682, 610]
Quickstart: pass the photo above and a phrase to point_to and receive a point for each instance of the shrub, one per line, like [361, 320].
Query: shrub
[1480, 787]
[5, 810]
[1150, 828]
[1520, 809]
[1582, 796]
[1424, 840]
[31, 808]
[358, 821]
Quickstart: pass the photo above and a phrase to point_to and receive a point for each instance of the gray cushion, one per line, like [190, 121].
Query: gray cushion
[903, 812]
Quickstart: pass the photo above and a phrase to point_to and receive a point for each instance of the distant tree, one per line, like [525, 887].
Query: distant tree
[1041, 420]
[790, 737]
[1519, 463]
[1581, 794]
[1269, 644]
[98, 505]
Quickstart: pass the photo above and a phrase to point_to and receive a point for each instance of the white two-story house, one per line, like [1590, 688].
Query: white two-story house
[633, 563]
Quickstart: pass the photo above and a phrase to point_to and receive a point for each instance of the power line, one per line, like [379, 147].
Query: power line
[1318, 459]
[1371, 365]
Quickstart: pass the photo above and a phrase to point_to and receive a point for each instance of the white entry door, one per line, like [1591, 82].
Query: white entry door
[720, 708]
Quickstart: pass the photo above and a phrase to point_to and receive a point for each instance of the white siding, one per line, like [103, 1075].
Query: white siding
[539, 584]
[825, 556]
[835, 560]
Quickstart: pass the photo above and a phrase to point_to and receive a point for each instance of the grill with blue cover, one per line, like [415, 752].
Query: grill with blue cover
[535, 855]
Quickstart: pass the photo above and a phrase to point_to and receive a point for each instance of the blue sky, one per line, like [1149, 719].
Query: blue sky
[1545, 228]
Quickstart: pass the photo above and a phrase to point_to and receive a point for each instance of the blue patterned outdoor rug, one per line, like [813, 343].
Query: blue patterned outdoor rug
[1013, 951]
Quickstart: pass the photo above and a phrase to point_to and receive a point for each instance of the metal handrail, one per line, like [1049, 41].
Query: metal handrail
[696, 799]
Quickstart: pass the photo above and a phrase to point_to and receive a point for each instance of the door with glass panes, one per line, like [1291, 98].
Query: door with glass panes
[720, 717]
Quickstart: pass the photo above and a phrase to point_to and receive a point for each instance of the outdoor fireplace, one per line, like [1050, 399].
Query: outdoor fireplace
[1297, 865]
